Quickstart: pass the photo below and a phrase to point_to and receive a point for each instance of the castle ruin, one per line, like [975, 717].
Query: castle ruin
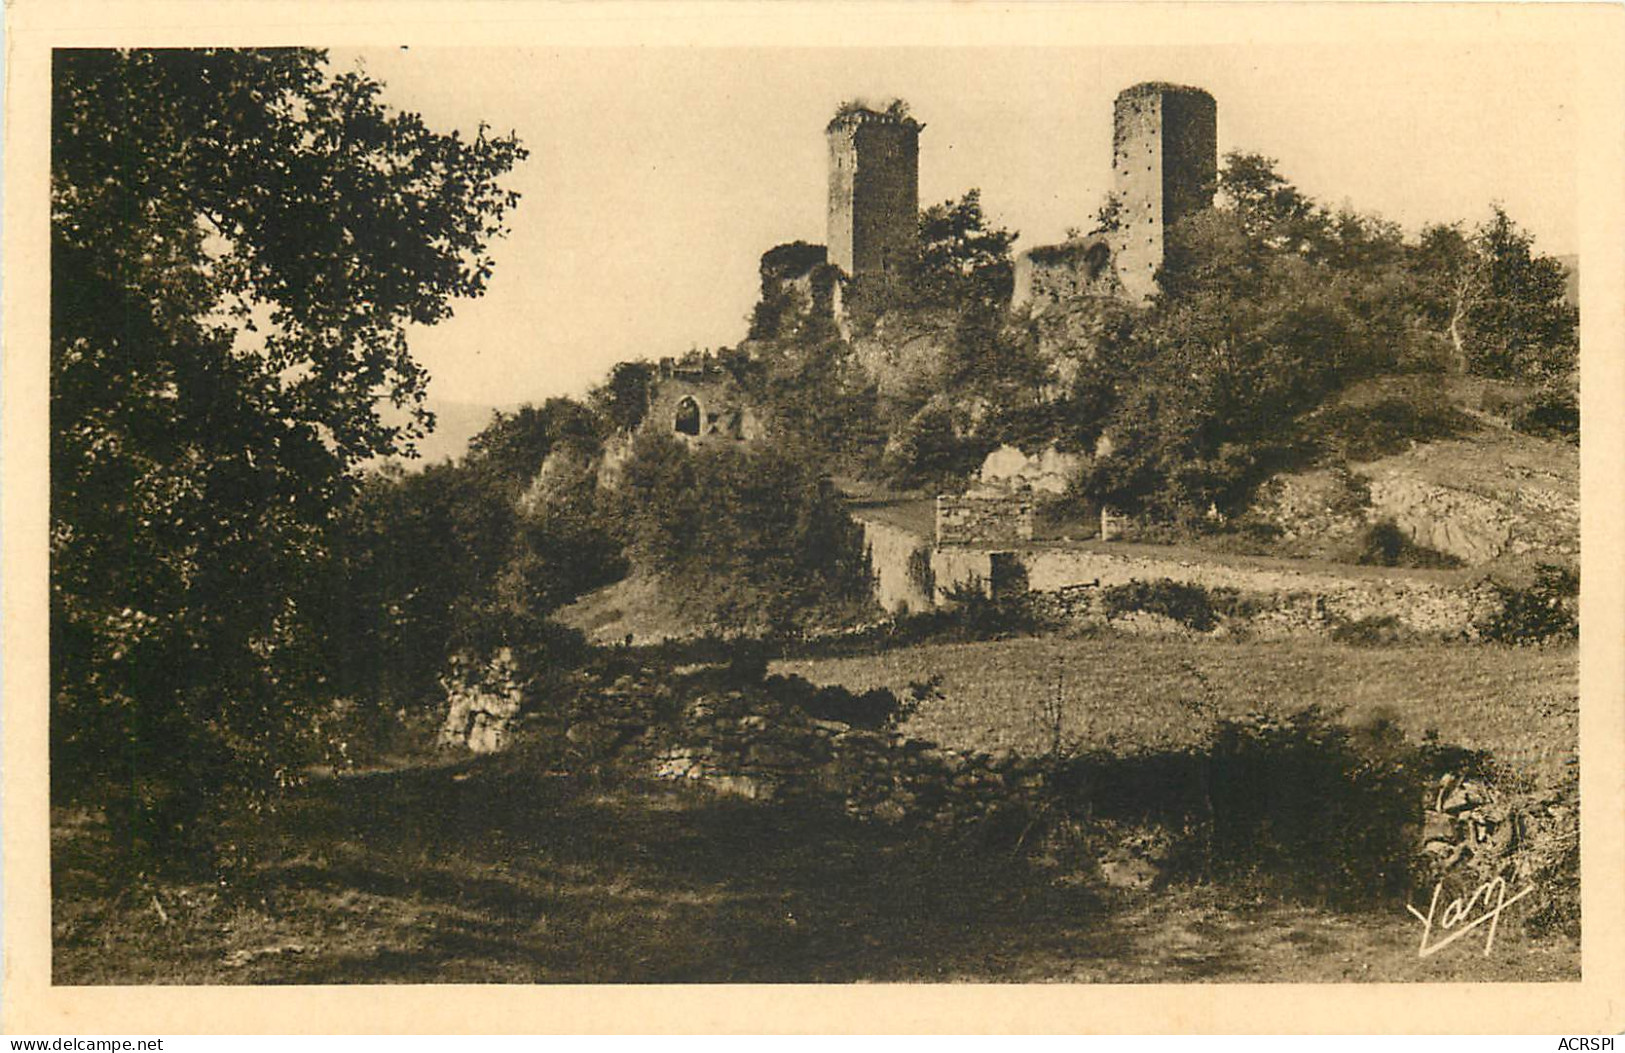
[874, 191]
[1165, 166]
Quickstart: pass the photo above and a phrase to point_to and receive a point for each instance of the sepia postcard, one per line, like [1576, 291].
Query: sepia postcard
[813, 517]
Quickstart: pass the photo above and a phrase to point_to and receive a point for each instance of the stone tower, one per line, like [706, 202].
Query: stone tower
[1165, 165]
[874, 190]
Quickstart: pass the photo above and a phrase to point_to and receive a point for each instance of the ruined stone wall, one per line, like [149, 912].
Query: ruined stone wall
[1289, 601]
[874, 193]
[1164, 166]
[720, 412]
[1054, 274]
[1003, 519]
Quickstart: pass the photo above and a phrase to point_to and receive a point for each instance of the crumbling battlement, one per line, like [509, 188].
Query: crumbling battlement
[1165, 164]
[699, 402]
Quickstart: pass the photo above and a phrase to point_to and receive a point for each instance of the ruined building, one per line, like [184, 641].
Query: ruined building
[698, 401]
[1164, 167]
[874, 190]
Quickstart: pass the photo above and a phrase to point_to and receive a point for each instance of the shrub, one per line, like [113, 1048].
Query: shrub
[1546, 610]
[1384, 544]
[1329, 808]
[1554, 413]
[1188, 605]
[1373, 631]
[753, 539]
[920, 572]
[1233, 603]
[1390, 425]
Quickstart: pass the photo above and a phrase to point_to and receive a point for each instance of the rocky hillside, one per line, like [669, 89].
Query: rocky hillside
[1488, 496]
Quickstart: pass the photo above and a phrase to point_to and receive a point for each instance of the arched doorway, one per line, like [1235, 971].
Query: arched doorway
[688, 416]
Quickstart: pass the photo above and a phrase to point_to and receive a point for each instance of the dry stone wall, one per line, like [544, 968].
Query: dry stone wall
[993, 519]
[742, 744]
[1284, 600]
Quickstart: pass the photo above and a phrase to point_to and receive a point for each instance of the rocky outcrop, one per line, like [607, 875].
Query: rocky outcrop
[1474, 529]
[1488, 498]
[1049, 471]
[483, 699]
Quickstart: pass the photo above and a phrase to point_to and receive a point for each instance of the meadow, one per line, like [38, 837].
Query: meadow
[1128, 694]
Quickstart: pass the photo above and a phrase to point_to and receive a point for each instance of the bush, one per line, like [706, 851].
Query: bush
[1188, 605]
[1389, 426]
[1554, 413]
[1373, 631]
[753, 539]
[1386, 545]
[920, 572]
[1329, 808]
[1546, 610]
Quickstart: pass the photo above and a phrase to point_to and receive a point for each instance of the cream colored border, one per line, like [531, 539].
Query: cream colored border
[31, 1005]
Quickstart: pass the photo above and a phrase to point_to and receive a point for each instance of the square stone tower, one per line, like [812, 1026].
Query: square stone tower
[1165, 165]
[874, 190]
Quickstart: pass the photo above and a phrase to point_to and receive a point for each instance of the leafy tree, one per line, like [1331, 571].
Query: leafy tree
[239, 240]
[1269, 208]
[822, 405]
[962, 261]
[623, 399]
[752, 538]
[1252, 331]
[1500, 302]
[512, 448]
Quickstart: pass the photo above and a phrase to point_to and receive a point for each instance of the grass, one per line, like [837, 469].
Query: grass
[489, 871]
[1128, 693]
[483, 873]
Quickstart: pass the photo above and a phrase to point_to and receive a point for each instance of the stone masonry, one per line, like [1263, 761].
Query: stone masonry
[874, 191]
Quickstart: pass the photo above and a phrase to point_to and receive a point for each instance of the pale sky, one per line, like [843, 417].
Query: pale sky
[658, 176]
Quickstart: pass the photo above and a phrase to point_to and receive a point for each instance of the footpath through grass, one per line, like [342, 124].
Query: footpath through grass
[480, 873]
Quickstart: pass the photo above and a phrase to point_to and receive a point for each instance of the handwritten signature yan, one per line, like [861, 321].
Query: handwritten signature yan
[1488, 899]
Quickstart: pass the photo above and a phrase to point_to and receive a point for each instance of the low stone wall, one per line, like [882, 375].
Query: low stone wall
[750, 746]
[1002, 519]
[1287, 601]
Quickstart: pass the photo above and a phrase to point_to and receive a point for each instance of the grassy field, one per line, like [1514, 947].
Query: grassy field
[482, 873]
[490, 871]
[1129, 693]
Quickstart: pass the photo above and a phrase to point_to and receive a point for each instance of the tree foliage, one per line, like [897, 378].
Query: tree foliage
[753, 538]
[1500, 302]
[1270, 304]
[962, 261]
[239, 240]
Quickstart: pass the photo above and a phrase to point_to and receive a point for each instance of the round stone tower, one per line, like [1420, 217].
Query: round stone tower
[1165, 165]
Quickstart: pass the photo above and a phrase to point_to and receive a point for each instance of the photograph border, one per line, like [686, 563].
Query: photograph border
[31, 1004]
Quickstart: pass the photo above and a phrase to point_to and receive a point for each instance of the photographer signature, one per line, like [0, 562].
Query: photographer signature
[1490, 899]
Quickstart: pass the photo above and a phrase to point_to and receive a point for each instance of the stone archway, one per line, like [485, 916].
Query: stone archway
[688, 417]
